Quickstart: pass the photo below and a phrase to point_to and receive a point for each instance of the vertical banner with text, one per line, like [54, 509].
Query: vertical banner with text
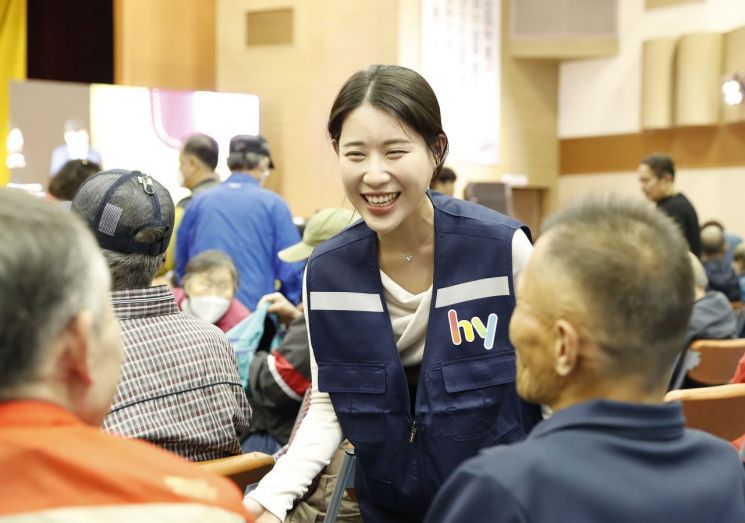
[461, 60]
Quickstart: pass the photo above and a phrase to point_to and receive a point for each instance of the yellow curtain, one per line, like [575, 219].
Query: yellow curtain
[12, 66]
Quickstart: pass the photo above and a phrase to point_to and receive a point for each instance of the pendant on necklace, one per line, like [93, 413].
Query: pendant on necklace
[408, 258]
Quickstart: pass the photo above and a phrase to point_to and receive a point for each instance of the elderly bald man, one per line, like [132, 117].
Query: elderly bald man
[602, 309]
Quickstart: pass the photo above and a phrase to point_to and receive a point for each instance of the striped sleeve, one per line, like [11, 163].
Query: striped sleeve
[280, 378]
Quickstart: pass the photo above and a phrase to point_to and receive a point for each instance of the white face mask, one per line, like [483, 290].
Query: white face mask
[209, 308]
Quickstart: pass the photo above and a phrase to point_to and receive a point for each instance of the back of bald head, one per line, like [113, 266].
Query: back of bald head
[628, 267]
[712, 240]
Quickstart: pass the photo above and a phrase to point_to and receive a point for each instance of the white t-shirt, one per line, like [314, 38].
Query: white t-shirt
[320, 434]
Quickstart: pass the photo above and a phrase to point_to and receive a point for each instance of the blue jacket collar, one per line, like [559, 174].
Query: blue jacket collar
[658, 421]
[239, 177]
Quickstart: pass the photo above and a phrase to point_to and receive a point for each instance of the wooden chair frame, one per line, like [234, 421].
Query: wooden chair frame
[243, 469]
[719, 359]
[716, 410]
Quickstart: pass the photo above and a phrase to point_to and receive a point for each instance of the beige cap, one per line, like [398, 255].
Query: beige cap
[323, 225]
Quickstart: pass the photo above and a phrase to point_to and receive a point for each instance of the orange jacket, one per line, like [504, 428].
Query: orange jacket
[53, 465]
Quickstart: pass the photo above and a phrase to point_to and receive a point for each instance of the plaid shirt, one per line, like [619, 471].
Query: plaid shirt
[179, 386]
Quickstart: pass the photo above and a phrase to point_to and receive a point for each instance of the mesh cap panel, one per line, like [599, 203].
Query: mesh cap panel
[128, 211]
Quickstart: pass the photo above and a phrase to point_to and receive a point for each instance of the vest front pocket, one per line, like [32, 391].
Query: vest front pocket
[468, 394]
[357, 392]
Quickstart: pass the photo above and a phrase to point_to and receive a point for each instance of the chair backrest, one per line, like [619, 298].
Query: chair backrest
[719, 359]
[716, 410]
[243, 469]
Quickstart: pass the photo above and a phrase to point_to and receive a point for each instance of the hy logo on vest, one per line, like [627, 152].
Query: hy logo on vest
[486, 332]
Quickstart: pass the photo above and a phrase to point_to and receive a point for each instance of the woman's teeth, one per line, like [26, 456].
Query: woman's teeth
[380, 200]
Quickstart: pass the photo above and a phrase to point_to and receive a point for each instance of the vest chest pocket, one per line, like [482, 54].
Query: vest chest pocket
[467, 395]
[358, 394]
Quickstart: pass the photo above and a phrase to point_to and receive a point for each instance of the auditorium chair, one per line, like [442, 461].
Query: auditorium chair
[716, 410]
[719, 359]
[243, 470]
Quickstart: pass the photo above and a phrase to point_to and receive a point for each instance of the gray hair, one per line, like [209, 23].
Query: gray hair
[629, 265]
[246, 161]
[208, 260]
[700, 280]
[50, 271]
[135, 271]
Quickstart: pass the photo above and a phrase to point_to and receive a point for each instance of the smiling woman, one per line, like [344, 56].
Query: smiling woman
[383, 300]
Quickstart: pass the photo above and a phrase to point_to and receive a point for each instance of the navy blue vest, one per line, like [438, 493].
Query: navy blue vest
[466, 397]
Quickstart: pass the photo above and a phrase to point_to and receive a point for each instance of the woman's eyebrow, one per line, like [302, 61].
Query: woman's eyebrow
[393, 141]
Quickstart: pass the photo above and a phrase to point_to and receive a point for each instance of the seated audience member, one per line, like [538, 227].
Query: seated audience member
[444, 181]
[279, 379]
[60, 359]
[70, 177]
[721, 275]
[210, 282]
[732, 239]
[738, 263]
[602, 310]
[712, 319]
[180, 387]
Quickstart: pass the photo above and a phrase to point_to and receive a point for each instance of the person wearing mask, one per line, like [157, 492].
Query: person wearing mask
[249, 223]
[210, 282]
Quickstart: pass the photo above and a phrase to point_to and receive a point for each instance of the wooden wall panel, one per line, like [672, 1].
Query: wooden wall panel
[168, 43]
[694, 147]
[296, 83]
[698, 88]
[653, 4]
[273, 27]
[658, 72]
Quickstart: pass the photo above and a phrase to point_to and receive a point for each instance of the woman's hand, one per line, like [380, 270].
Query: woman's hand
[282, 307]
[261, 514]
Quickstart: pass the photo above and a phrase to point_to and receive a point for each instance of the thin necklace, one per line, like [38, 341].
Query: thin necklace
[408, 258]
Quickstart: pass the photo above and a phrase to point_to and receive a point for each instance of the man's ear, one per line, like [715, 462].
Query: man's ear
[192, 162]
[566, 347]
[77, 339]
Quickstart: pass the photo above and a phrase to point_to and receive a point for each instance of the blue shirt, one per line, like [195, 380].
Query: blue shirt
[601, 461]
[251, 225]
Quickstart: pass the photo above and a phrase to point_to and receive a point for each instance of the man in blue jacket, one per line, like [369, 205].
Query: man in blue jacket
[602, 309]
[249, 223]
